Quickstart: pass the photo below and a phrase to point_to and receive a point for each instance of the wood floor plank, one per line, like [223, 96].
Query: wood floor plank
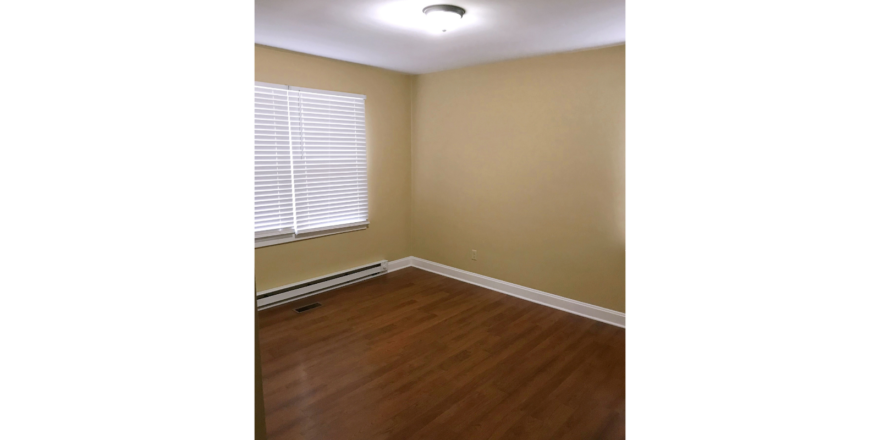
[416, 355]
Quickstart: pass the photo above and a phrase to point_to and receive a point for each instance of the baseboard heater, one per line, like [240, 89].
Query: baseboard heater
[292, 292]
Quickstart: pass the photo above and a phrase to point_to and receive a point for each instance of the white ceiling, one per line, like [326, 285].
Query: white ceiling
[392, 33]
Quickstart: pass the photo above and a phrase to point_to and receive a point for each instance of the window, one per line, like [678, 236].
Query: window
[310, 163]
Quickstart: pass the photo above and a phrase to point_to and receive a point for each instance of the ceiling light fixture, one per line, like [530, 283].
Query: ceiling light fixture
[444, 17]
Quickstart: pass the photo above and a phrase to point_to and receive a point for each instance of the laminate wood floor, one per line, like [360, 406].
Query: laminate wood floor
[415, 355]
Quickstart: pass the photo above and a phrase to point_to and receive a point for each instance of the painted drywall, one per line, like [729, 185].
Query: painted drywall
[388, 118]
[523, 161]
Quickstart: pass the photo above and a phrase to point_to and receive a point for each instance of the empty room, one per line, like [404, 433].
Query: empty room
[439, 219]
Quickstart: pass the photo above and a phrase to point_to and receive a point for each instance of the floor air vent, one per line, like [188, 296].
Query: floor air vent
[308, 307]
[292, 292]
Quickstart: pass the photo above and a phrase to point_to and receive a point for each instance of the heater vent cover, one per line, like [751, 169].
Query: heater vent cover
[308, 307]
[292, 292]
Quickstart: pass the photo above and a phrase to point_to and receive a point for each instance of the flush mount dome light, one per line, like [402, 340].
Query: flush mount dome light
[444, 17]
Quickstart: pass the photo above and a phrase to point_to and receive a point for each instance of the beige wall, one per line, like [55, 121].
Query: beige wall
[524, 161]
[521, 160]
[388, 168]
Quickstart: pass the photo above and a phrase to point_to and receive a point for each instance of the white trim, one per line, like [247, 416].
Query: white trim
[273, 233]
[310, 286]
[270, 241]
[400, 264]
[602, 314]
[329, 92]
[331, 227]
[270, 85]
[597, 313]
[303, 89]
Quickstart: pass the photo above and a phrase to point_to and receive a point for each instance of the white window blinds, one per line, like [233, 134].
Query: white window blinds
[310, 160]
[330, 171]
[273, 146]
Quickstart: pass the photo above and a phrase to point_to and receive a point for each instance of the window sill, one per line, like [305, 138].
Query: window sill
[287, 238]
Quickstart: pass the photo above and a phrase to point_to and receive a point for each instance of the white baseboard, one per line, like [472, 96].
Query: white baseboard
[536, 296]
[399, 264]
